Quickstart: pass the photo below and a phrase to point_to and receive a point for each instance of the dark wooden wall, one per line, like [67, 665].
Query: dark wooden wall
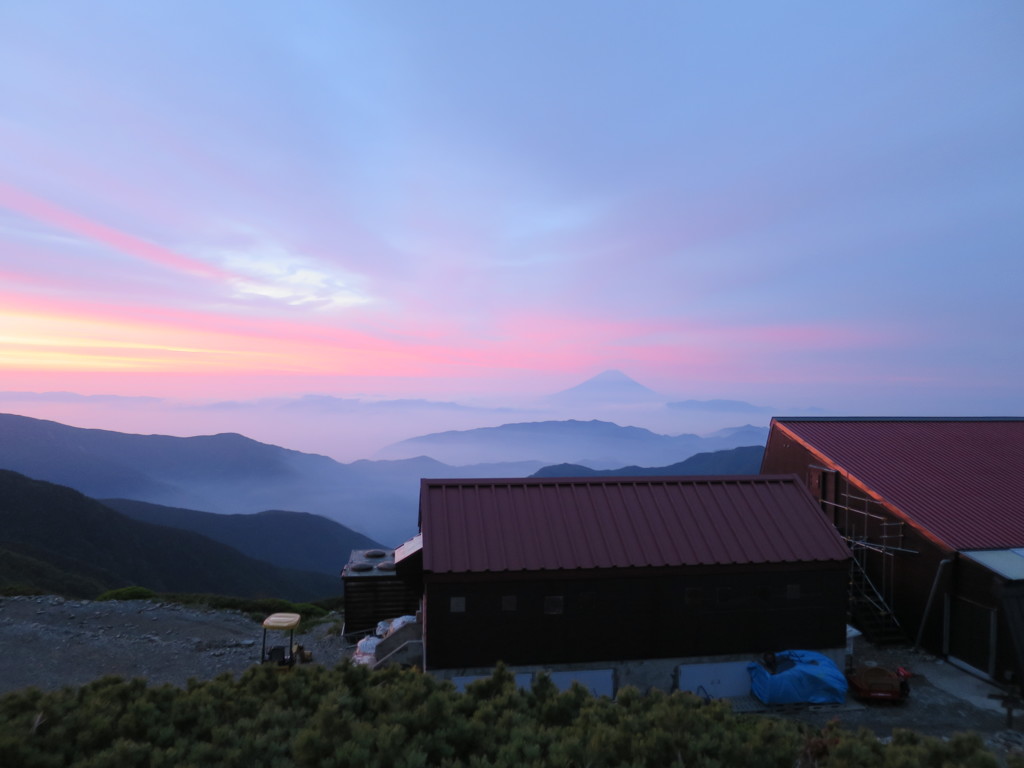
[977, 598]
[966, 593]
[371, 599]
[607, 616]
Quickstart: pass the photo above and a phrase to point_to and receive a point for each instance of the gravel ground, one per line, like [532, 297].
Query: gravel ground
[50, 642]
[943, 701]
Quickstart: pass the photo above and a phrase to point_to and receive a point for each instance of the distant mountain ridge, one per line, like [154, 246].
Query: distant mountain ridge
[92, 460]
[598, 444]
[728, 406]
[230, 474]
[296, 540]
[738, 407]
[736, 461]
[56, 539]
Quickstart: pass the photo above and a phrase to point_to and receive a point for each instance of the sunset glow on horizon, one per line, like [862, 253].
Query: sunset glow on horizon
[808, 203]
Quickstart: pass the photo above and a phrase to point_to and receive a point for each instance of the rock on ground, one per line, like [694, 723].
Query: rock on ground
[50, 642]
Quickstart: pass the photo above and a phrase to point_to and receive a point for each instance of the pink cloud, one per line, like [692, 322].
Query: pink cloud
[55, 216]
[146, 338]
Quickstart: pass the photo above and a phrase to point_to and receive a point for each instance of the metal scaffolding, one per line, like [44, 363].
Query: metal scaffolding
[870, 536]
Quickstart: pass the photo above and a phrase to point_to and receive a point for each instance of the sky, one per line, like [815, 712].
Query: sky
[793, 203]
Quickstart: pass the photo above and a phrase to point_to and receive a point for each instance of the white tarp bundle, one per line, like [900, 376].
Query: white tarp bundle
[366, 651]
[400, 622]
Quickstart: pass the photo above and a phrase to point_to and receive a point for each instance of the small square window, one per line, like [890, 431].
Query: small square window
[554, 604]
[508, 603]
[694, 596]
[457, 605]
[792, 591]
[726, 594]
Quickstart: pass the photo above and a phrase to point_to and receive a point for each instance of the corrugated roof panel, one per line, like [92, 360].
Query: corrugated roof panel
[598, 546]
[959, 479]
[1008, 563]
[572, 523]
[755, 543]
[800, 536]
[628, 526]
[695, 540]
[660, 521]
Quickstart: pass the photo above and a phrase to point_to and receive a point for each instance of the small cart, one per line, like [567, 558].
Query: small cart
[879, 684]
[282, 655]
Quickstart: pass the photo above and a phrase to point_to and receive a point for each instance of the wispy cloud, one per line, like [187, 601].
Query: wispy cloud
[230, 197]
[265, 270]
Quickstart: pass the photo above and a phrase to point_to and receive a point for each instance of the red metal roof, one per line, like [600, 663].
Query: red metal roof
[631, 522]
[959, 479]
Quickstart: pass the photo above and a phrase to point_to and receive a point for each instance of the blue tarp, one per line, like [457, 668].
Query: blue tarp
[802, 677]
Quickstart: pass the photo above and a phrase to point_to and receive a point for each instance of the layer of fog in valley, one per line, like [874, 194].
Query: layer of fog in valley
[349, 428]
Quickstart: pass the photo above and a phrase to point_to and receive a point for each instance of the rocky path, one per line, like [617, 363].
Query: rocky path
[50, 642]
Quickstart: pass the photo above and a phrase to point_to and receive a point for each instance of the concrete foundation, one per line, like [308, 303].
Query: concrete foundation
[718, 675]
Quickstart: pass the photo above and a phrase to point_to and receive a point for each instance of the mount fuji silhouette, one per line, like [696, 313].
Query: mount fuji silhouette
[609, 387]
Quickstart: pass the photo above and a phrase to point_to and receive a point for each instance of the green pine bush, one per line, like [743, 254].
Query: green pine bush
[313, 717]
[128, 593]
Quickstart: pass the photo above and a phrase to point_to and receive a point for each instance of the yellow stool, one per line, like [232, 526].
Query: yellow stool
[280, 655]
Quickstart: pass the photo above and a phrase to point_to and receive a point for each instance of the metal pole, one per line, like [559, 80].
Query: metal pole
[931, 599]
[945, 627]
[993, 625]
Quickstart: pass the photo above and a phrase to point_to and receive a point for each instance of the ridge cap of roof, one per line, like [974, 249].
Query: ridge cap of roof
[609, 479]
[898, 418]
